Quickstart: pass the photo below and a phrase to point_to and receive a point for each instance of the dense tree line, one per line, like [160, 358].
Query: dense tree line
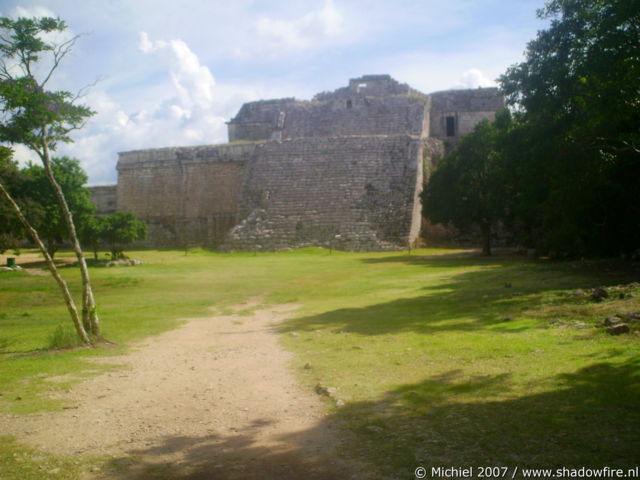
[562, 167]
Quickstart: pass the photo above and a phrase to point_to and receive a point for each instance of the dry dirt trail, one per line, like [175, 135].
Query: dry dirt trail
[213, 399]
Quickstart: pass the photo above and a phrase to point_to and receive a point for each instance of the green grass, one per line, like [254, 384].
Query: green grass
[417, 346]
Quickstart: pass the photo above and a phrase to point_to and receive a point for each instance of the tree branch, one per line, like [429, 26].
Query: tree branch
[59, 52]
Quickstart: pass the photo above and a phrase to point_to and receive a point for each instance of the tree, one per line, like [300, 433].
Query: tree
[5, 158]
[11, 230]
[578, 97]
[39, 118]
[120, 229]
[90, 231]
[467, 187]
[50, 218]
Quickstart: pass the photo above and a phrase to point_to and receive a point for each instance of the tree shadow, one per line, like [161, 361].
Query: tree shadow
[587, 418]
[236, 455]
[476, 293]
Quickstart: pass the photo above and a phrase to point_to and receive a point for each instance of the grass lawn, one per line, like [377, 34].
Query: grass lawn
[439, 360]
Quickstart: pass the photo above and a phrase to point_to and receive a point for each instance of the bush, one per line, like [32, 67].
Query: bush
[63, 337]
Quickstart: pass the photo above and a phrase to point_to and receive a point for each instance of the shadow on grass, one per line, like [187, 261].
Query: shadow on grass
[589, 418]
[475, 293]
[234, 456]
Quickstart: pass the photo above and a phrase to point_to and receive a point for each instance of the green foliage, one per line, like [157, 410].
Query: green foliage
[576, 149]
[121, 229]
[63, 337]
[45, 213]
[468, 187]
[31, 114]
[89, 233]
[22, 463]
[10, 177]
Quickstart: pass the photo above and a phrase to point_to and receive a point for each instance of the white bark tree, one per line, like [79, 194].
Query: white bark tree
[39, 118]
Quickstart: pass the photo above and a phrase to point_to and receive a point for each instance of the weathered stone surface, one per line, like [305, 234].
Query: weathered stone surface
[188, 195]
[302, 192]
[105, 198]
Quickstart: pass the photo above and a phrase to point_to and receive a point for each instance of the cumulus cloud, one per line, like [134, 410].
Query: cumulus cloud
[187, 109]
[304, 32]
[474, 78]
[192, 80]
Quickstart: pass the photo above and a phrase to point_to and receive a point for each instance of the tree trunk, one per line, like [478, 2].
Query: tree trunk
[89, 313]
[52, 247]
[485, 230]
[71, 306]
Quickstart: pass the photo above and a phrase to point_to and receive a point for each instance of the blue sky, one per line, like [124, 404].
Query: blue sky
[172, 73]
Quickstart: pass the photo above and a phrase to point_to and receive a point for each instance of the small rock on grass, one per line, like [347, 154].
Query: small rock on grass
[326, 391]
[618, 329]
[599, 293]
[633, 317]
[610, 321]
[322, 390]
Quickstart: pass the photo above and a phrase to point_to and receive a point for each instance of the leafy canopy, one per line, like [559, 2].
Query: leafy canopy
[468, 187]
[46, 214]
[120, 229]
[30, 113]
[578, 148]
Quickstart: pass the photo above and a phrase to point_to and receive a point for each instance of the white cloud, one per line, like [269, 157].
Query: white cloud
[144, 44]
[474, 78]
[35, 11]
[23, 155]
[186, 109]
[192, 80]
[301, 33]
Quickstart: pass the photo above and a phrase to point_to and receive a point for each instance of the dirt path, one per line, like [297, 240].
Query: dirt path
[214, 399]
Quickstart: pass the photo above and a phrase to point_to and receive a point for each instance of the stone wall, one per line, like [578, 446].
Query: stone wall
[188, 195]
[258, 120]
[105, 199]
[370, 105]
[466, 107]
[358, 115]
[353, 193]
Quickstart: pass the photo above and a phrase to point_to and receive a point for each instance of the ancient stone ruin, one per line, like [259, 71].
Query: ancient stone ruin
[343, 170]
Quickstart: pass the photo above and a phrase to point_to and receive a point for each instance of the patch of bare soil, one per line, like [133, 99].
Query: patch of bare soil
[34, 264]
[214, 399]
